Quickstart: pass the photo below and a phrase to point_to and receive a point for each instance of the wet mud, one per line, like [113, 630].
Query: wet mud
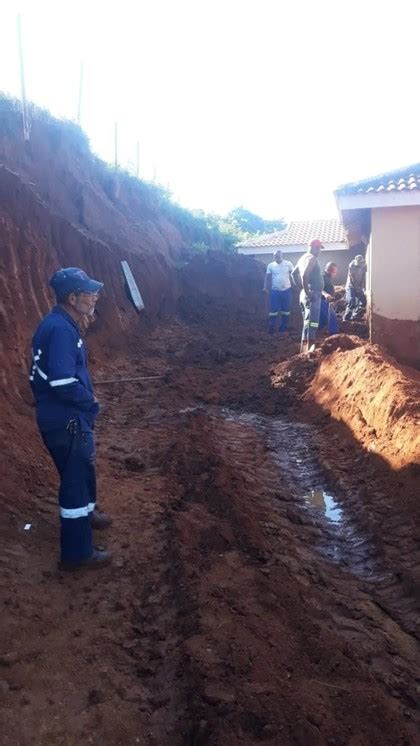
[261, 593]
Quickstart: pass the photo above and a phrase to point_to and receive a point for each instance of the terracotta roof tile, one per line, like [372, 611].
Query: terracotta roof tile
[300, 233]
[403, 179]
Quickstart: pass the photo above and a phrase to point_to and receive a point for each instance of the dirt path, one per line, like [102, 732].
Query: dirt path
[244, 605]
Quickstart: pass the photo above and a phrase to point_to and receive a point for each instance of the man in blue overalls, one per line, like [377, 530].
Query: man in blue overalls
[328, 317]
[66, 410]
[278, 285]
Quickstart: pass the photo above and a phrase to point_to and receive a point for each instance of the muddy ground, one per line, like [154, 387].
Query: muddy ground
[263, 583]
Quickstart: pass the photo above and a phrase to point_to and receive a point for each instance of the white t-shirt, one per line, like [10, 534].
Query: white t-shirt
[280, 274]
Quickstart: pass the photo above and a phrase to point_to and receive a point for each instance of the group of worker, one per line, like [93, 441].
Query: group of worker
[316, 293]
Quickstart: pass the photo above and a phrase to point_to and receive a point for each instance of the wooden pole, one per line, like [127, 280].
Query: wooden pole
[22, 80]
[79, 104]
[116, 144]
[117, 176]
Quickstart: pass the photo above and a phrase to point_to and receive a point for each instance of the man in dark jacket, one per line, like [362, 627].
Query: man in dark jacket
[355, 288]
[66, 410]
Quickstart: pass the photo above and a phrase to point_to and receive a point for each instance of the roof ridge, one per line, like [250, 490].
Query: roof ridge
[299, 233]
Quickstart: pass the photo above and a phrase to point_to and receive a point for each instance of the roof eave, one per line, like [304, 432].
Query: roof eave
[291, 248]
[375, 199]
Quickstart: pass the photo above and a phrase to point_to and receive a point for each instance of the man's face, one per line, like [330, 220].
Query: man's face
[316, 250]
[83, 303]
[333, 272]
[278, 257]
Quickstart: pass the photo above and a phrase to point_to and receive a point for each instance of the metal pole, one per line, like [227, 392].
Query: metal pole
[138, 159]
[79, 105]
[129, 380]
[22, 80]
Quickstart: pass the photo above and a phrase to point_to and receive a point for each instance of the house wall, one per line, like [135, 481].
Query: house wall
[394, 281]
[341, 257]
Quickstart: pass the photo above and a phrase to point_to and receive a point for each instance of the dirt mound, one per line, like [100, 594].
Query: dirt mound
[374, 396]
[292, 377]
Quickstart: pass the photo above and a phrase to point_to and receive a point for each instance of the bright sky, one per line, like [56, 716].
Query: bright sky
[269, 104]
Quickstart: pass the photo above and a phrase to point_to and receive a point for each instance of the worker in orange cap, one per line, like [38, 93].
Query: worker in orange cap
[308, 277]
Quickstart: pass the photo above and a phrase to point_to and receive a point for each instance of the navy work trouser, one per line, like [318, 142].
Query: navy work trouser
[328, 317]
[73, 451]
[280, 301]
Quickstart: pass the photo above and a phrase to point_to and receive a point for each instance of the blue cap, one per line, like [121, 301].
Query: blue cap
[73, 280]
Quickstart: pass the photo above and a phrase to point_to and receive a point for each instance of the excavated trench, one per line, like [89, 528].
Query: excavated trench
[288, 622]
[265, 557]
[251, 600]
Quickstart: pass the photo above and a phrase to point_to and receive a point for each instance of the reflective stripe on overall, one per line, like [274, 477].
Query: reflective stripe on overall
[311, 308]
[73, 451]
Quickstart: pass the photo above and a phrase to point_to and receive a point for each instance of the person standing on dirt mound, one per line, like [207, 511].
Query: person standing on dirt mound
[278, 284]
[66, 410]
[355, 289]
[308, 277]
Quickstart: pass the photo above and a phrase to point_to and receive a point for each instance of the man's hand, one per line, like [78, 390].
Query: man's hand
[265, 290]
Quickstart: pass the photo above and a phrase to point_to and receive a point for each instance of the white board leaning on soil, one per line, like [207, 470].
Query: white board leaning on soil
[132, 286]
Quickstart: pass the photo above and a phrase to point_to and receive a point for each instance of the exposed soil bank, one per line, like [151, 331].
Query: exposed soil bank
[376, 398]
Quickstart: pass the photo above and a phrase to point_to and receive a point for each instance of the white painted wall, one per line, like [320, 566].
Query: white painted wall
[394, 256]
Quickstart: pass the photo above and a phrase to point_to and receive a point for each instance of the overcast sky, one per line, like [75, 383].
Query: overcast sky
[269, 104]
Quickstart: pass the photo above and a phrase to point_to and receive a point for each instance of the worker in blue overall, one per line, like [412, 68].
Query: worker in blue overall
[307, 276]
[328, 317]
[66, 410]
[278, 285]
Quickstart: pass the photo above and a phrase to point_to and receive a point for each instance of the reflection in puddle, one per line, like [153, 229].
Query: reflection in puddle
[325, 502]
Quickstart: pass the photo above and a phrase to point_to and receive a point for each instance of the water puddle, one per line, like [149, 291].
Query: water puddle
[325, 503]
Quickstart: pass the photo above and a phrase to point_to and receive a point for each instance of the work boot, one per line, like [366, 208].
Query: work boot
[100, 521]
[97, 559]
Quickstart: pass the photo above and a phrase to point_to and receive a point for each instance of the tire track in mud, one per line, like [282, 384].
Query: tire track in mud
[322, 498]
[163, 614]
[224, 469]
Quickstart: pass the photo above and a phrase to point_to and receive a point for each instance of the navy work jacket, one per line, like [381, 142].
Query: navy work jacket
[59, 375]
